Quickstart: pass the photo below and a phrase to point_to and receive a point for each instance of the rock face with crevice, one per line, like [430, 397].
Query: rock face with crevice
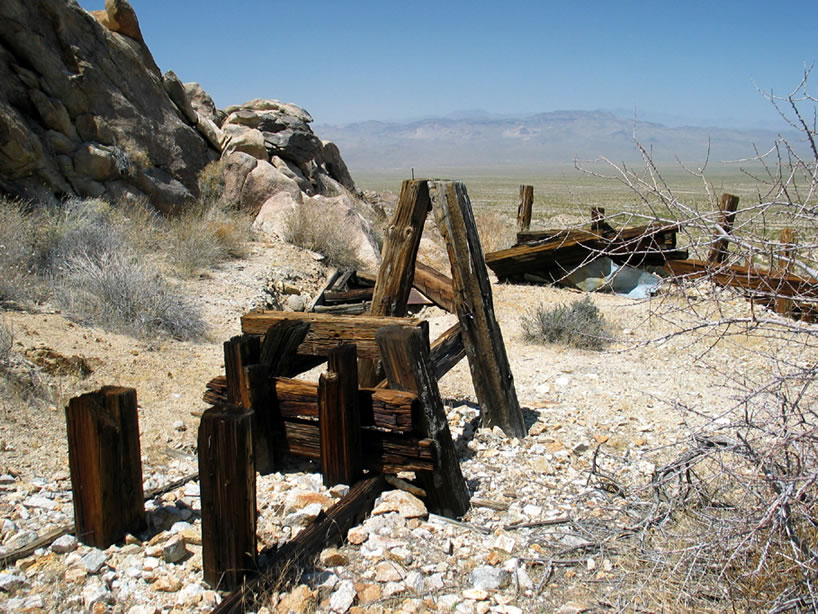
[85, 111]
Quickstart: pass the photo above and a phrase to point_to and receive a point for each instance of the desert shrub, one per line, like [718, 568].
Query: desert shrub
[314, 228]
[205, 236]
[114, 290]
[211, 182]
[579, 325]
[6, 342]
[496, 232]
[18, 281]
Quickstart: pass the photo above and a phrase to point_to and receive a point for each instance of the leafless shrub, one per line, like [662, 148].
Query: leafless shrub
[314, 228]
[579, 324]
[6, 342]
[730, 521]
[116, 291]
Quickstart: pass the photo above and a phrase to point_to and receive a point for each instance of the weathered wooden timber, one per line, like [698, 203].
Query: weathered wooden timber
[397, 270]
[485, 349]
[339, 418]
[525, 207]
[759, 282]
[553, 254]
[447, 351]
[294, 398]
[298, 555]
[724, 226]
[329, 331]
[227, 479]
[106, 465]
[435, 285]
[405, 356]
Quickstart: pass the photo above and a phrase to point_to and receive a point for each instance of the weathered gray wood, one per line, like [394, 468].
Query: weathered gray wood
[485, 349]
[328, 331]
[106, 465]
[400, 248]
[524, 209]
[727, 216]
[227, 478]
[406, 361]
[339, 418]
[435, 286]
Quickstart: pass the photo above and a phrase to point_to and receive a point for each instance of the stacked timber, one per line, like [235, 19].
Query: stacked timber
[550, 255]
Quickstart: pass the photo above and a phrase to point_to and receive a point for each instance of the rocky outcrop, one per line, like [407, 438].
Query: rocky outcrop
[85, 111]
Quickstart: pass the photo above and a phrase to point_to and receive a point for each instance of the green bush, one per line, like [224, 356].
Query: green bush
[579, 325]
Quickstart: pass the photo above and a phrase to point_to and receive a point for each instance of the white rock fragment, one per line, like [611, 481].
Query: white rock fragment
[64, 544]
[174, 549]
[404, 503]
[489, 578]
[343, 597]
[10, 582]
[94, 560]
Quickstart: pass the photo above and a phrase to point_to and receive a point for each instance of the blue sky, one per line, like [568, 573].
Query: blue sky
[689, 61]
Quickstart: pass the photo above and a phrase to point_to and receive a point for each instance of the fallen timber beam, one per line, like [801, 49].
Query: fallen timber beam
[554, 254]
[380, 407]
[764, 283]
[327, 332]
[299, 553]
[447, 351]
[435, 286]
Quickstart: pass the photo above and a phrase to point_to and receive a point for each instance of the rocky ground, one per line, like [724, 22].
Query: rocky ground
[546, 510]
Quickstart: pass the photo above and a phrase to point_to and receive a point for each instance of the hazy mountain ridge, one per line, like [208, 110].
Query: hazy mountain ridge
[556, 137]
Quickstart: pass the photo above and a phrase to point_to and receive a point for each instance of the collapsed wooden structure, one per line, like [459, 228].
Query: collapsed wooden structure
[551, 256]
[375, 410]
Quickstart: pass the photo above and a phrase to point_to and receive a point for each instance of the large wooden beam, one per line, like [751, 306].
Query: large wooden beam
[763, 283]
[295, 398]
[525, 206]
[485, 349]
[727, 216]
[327, 332]
[227, 477]
[298, 555]
[435, 286]
[106, 465]
[339, 418]
[447, 351]
[397, 268]
[405, 356]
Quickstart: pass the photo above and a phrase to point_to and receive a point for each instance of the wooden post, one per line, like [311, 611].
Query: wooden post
[598, 223]
[339, 420]
[524, 209]
[106, 465]
[227, 475]
[406, 361]
[397, 268]
[727, 216]
[491, 373]
[788, 239]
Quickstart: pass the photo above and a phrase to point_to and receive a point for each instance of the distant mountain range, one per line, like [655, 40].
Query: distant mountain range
[472, 139]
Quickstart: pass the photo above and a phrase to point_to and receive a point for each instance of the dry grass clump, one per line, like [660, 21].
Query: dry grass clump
[102, 264]
[496, 232]
[580, 325]
[319, 230]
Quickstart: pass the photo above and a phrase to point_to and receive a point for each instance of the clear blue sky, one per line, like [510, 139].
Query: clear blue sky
[357, 60]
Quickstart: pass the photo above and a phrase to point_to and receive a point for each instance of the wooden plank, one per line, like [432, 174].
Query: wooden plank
[239, 352]
[339, 418]
[319, 298]
[298, 555]
[447, 351]
[106, 465]
[525, 206]
[328, 331]
[727, 216]
[335, 297]
[396, 273]
[405, 356]
[435, 286]
[280, 344]
[382, 451]
[294, 398]
[485, 349]
[227, 477]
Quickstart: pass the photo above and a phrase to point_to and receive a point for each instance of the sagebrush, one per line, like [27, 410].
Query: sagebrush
[319, 230]
[579, 324]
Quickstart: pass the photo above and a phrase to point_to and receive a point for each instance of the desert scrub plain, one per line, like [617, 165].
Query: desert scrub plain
[671, 470]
